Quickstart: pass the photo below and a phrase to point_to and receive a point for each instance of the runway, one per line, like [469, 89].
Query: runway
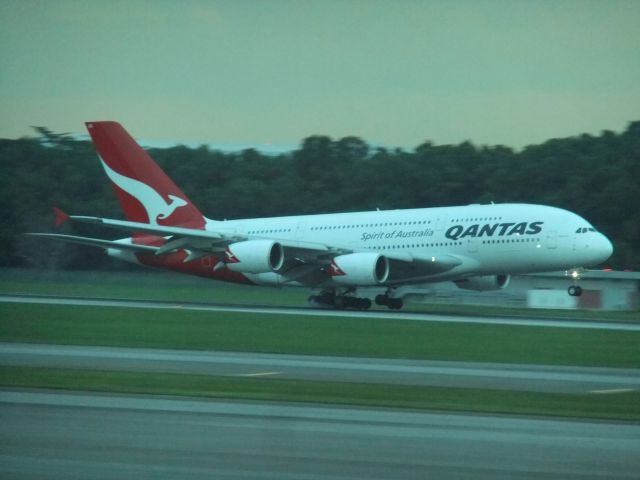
[79, 436]
[271, 310]
[536, 378]
[54, 435]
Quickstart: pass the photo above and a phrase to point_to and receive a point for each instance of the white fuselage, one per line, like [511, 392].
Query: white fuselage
[491, 239]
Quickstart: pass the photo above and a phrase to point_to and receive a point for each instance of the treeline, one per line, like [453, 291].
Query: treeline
[597, 177]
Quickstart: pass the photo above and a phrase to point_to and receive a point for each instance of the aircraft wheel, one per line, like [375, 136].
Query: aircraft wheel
[319, 301]
[381, 299]
[341, 302]
[575, 290]
[395, 303]
[365, 304]
[352, 302]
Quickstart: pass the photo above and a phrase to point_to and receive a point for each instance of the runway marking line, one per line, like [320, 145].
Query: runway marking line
[612, 391]
[259, 374]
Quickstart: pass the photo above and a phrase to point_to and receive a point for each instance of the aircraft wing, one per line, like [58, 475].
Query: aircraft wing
[407, 266]
[205, 242]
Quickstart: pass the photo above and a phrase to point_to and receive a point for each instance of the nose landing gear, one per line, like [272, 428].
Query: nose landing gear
[575, 290]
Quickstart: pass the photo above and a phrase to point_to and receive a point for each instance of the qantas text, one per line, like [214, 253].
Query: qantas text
[490, 229]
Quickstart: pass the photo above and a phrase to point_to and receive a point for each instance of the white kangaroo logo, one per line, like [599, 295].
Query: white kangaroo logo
[156, 206]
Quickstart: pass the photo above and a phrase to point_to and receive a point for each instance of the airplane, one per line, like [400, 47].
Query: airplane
[478, 247]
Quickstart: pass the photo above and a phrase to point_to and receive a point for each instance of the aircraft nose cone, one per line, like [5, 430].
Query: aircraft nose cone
[604, 247]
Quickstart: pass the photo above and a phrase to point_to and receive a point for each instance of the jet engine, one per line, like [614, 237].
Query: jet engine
[360, 269]
[254, 256]
[484, 282]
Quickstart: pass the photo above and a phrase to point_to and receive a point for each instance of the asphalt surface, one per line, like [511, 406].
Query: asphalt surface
[83, 436]
[54, 435]
[271, 310]
[537, 378]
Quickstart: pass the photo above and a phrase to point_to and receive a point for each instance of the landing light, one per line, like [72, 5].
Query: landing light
[574, 274]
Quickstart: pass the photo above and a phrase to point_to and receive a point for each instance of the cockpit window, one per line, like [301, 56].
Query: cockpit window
[585, 230]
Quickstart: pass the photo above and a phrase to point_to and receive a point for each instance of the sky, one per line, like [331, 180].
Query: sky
[395, 73]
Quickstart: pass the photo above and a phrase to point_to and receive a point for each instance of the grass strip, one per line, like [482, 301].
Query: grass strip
[157, 286]
[165, 286]
[510, 312]
[248, 332]
[620, 406]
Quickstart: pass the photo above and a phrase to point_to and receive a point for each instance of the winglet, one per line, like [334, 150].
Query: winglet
[60, 216]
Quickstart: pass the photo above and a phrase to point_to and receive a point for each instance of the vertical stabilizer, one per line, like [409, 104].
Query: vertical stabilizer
[145, 192]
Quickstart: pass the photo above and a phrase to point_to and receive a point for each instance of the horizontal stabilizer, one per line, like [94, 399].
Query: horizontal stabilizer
[147, 228]
[96, 242]
[60, 216]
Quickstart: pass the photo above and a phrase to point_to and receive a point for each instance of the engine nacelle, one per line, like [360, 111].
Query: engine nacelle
[484, 282]
[254, 256]
[360, 269]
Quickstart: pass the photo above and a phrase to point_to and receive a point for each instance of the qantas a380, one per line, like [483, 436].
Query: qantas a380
[477, 246]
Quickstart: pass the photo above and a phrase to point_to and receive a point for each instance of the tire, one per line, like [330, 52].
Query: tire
[381, 300]
[341, 303]
[395, 303]
[365, 304]
[575, 290]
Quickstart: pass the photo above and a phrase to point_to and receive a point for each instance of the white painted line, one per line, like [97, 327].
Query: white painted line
[259, 374]
[612, 391]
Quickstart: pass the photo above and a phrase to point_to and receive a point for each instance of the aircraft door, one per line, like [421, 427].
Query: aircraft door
[472, 245]
[552, 240]
[301, 227]
[440, 223]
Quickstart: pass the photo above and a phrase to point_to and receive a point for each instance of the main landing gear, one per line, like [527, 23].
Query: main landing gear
[330, 299]
[392, 303]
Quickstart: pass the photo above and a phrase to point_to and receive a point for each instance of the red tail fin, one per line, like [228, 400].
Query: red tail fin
[146, 193]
